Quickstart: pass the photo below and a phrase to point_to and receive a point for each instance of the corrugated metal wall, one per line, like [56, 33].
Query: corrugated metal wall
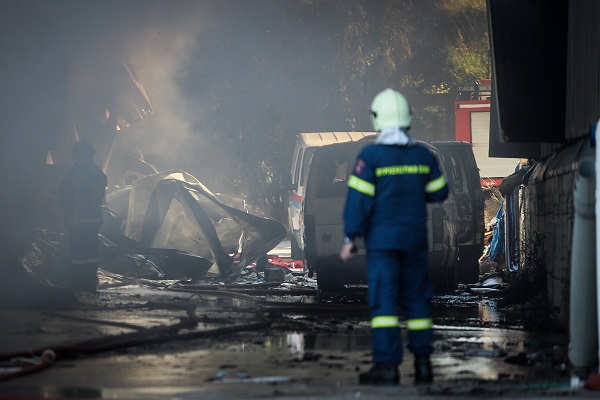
[547, 221]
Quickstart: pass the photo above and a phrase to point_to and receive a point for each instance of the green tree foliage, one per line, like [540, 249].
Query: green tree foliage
[469, 50]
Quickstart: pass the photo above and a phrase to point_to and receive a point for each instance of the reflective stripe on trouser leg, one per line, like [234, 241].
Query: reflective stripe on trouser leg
[419, 324]
[382, 274]
[416, 294]
[385, 321]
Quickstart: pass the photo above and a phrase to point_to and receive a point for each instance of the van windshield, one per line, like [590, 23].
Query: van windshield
[456, 167]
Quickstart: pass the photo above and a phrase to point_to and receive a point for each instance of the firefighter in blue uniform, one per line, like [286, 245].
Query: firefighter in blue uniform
[82, 192]
[392, 181]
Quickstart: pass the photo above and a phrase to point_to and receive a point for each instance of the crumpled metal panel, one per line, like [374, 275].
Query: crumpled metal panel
[173, 210]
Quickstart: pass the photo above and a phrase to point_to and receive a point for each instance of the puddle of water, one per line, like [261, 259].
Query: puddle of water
[297, 344]
[472, 310]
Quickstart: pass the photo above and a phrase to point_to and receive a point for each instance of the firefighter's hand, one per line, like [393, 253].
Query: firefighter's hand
[348, 250]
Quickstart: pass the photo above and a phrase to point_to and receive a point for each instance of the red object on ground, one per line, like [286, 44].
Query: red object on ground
[276, 260]
[47, 357]
[593, 382]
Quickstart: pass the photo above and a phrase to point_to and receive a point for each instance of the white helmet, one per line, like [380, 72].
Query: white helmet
[390, 110]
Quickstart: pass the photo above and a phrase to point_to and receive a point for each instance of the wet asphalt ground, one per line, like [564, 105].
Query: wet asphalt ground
[145, 340]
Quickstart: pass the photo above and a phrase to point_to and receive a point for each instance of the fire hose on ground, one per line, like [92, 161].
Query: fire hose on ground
[44, 357]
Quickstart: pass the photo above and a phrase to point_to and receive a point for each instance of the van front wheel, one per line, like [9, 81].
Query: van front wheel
[328, 281]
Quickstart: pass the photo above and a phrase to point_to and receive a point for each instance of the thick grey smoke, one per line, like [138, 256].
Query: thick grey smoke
[160, 49]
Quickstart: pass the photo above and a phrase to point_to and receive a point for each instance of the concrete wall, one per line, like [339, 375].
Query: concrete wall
[547, 221]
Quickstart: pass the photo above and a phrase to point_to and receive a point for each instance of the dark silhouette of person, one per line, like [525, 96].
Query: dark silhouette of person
[82, 192]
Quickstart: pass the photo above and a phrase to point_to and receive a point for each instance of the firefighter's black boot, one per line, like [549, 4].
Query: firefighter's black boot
[380, 374]
[423, 371]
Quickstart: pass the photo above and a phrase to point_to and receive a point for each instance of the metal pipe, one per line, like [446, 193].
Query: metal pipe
[583, 321]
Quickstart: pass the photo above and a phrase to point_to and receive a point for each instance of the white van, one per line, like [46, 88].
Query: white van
[321, 165]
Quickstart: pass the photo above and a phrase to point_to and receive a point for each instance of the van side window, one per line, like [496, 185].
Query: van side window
[341, 171]
[458, 178]
[298, 165]
[306, 159]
